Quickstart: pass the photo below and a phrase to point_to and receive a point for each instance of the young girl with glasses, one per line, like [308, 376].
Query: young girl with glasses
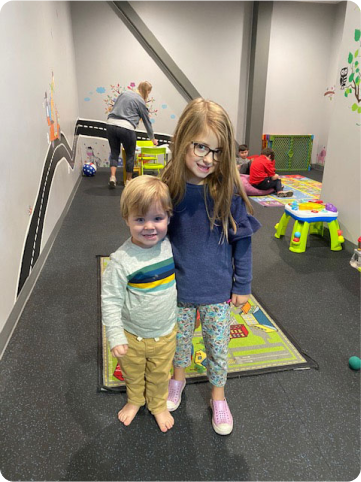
[210, 233]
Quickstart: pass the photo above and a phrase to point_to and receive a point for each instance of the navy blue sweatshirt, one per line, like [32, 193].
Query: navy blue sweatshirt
[208, 268]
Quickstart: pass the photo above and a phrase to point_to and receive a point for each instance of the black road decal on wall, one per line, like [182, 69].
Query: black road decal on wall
[57, 151]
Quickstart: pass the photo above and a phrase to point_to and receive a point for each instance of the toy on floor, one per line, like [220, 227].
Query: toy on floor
[355, 260]
[354, 363]
[309, 216]
[89, 169]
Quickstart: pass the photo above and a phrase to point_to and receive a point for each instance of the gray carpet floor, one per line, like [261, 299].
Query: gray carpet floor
[292, 425]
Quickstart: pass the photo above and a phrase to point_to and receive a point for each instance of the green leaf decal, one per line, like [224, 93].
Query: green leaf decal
[350, 58]
[354, 107]
[350, 79]
[356, 54]
[357, 81]
[357, 35]
[346, 94]
[359, 110]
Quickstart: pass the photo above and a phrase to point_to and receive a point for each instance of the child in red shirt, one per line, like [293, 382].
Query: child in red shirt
[263, 174]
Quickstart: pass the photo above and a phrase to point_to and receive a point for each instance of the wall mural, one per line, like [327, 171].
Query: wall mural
[96, 151]
[330, 92]
[58, 149]
[52, 116]
[321, 156]
[350, 76]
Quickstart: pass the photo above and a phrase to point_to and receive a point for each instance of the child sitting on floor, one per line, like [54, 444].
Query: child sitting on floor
[263, 173]
[139, 300]
[243, 162]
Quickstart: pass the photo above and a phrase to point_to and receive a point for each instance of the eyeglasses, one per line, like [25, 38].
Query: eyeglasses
[202, 150]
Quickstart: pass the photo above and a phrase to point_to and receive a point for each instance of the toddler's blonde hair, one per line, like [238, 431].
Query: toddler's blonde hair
[140, 193]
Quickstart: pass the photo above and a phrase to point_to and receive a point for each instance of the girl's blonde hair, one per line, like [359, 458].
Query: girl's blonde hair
[144, 89]
[198, 117]
[140, 193]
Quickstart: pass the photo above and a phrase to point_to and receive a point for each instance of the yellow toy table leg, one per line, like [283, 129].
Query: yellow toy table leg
[282, 225]
[299, 246]
[316, 228]
[336, 240]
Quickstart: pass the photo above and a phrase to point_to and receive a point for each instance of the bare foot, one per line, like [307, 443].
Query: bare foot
[164, 420]
[127, 413]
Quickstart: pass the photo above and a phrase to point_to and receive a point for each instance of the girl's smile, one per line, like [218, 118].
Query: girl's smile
[199, 167]
[203, 167]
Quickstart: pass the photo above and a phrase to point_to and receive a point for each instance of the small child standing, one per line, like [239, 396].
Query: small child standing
[263, 173]
[139, 300]
[210, 232]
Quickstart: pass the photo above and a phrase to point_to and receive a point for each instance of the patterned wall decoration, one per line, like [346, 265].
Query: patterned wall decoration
[350, 75]
[52, 115]
[58, 149]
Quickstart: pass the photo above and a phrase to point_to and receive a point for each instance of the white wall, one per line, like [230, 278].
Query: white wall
[304, 48]
[210, 52]
[35, 40]
[206, 40]
[107, 53]
[341, 179]
[321, 143]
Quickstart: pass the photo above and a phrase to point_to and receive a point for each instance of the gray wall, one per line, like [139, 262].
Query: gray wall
[35, 41]
[210, 53]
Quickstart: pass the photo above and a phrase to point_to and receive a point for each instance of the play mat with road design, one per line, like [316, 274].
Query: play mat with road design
[257, 345]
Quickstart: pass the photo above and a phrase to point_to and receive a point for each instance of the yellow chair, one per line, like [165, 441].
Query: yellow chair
[151, 154]
[138, 167]
[145, 144]
[141, 158]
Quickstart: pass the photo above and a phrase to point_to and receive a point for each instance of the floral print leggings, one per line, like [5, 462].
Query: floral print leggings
[215, 321]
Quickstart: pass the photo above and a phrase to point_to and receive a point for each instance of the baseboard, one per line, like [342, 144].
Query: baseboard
[317, 167]
[30, 282]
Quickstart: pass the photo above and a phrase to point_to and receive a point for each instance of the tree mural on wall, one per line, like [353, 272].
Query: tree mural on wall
[350, 76]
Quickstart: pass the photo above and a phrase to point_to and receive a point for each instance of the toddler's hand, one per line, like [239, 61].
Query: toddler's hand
[119, 351]
[155, 142]
[239, 300]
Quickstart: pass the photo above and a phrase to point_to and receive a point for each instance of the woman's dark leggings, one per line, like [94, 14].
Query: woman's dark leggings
[268, 183]
[117, 136]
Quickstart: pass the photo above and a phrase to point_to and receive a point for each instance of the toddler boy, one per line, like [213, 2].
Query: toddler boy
[139, 300]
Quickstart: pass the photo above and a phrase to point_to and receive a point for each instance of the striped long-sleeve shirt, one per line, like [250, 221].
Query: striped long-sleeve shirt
[139, 292]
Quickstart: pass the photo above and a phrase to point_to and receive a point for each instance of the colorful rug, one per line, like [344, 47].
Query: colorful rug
[302, 187]
[257, 345]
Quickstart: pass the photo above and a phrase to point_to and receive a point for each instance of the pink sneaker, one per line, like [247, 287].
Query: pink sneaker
[175, 390]
[222, 420]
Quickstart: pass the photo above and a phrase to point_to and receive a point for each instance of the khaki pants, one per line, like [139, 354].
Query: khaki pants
[146, 370]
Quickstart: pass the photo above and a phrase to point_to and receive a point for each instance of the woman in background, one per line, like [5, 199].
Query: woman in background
[122, 121]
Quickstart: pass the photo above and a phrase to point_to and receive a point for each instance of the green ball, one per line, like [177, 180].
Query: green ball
[354, 363]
